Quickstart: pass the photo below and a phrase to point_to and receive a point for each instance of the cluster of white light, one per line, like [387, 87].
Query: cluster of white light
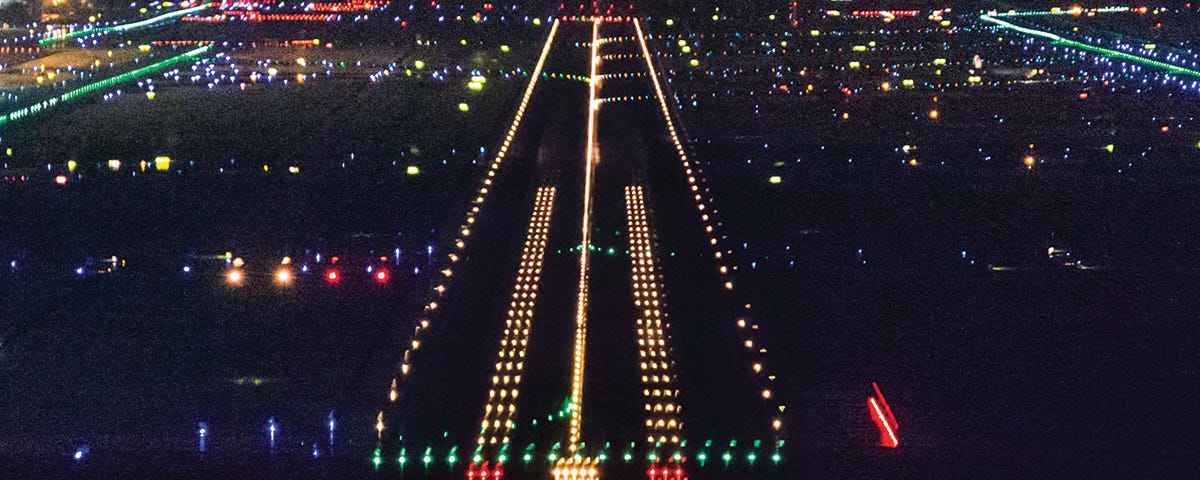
[623, 75]
[625, 98]
[619, 56]
[460, 243]
[501, 406]
[707, 214]
[576, 469]
[658, 389]
[576, 420]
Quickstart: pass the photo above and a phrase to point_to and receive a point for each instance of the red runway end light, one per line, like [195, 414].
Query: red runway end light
[333, 276]
[381, 276]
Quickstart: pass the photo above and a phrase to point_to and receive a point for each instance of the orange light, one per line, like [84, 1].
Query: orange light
[235, 277]
[1083, 95]
[1164, 129]
[283, 276]
[61, 179]
[933, 114]
[1029, 161]
[912, 162]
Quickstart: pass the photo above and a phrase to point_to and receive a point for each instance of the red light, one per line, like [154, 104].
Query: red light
[332, 276]
[886, 422]
[61, 179]
[887, 437]
[886, 409]
[381, 276]
[1164, 129]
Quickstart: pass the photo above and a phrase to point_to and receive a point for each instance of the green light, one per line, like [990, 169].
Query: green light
[677, 456]
[122, 27]
[727, 457]
[501, 459]
[751, 457]
[377, 459]
[108, 82]
[702, 457]
[628, 456]
[652, 457]
[553, 457]
[776, 457]
[1116, 54]
[602, 457]
[708, 443]
[528, 457]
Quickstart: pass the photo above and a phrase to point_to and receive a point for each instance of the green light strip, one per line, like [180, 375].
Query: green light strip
[123, 27]
[108, 82]
[1060, 12]
[1107, 52]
